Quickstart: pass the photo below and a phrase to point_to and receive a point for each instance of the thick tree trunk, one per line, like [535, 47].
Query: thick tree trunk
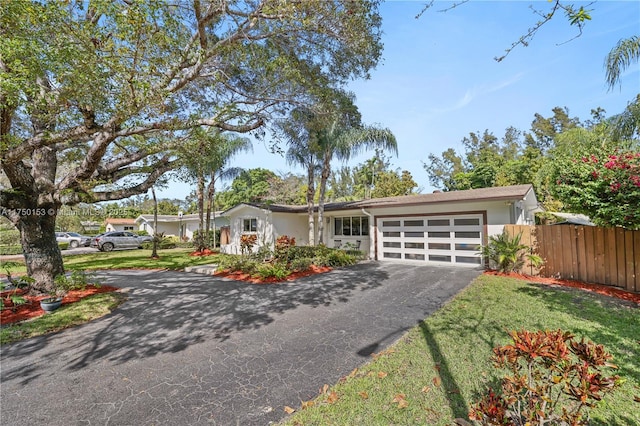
[323, 186]
[41, 252]
[154, 252]
[310, 194]
[211, 193]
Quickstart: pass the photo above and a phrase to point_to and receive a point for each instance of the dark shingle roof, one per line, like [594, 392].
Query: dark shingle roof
[515, 192]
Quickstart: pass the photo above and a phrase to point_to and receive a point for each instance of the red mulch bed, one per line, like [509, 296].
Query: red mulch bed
[205, 252]
[595, 288]
[241, 276]
[31, 309]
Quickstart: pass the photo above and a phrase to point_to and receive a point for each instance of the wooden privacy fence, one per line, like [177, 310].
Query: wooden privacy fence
[609, 256]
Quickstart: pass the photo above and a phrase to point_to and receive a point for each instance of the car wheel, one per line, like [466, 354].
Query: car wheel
[107, 247]
[73, 244]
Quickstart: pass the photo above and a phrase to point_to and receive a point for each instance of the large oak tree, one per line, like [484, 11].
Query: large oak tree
[95, 94]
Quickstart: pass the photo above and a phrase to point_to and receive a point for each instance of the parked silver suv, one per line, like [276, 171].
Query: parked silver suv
[73, 238]
[119, 240]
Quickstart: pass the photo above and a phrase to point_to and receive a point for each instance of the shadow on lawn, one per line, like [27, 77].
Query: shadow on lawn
[167, 312]
[457, 403]
[608, 321]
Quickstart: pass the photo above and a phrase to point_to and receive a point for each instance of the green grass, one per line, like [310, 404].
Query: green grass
[442, 365]
[174, 259]
[66, 316]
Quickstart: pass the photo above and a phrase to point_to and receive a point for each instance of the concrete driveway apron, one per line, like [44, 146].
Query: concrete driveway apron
[188, 349]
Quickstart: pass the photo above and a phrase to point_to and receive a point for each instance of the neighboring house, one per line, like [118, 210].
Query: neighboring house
[90, 226]
[572, 219]
[443, 227]
[174, 225]
[117, 224]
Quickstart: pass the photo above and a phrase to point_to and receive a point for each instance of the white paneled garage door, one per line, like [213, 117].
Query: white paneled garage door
[443, 239]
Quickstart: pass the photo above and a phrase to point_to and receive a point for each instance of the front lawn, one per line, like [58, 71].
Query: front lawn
[433, 374]
[173, 259]
[85, 310]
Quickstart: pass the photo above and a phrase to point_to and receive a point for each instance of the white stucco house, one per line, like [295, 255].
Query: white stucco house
[119, 224]
[174, 225]
[443, 227]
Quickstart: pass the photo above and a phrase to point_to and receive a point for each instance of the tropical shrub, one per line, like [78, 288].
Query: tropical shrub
[77, 280]
[247, 241]
[235, 263]
[553, 379]
[301, 263]
[276, 270]
[505, 253]
[165, 243]
[283, 244]
[603, 185]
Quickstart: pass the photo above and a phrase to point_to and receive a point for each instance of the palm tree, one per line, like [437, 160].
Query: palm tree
[301, 135]
[620, 57]
[331, 130]
[206, 156]
[342, 140]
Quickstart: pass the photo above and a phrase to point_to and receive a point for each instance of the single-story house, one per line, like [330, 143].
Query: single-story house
[119, 224]
[442, 227]
[175, 225]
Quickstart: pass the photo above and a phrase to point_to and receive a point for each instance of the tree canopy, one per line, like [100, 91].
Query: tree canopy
[110, 87]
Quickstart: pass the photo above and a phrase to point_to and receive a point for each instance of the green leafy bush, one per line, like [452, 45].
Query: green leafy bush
[164, 243]
[77, 280]
[9, 250]
[276, 270]
[553, 379]
[9, 236]
[301, 263]
[237, 263]
[63, 245]
[506, 254]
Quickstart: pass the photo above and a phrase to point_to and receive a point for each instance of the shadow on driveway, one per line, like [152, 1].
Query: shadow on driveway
[169, 311]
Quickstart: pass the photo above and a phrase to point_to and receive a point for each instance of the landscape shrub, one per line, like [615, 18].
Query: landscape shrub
[247, 241]
[505, 253]
[9, 236]
[63, 245]
[301, 263]
[276, 270]
[164, 244]
[283, 244]
[208, 240]
[235, 263]
[297, 252]
[8, 250]
[77, 280]
[334, 258]
[553, 379]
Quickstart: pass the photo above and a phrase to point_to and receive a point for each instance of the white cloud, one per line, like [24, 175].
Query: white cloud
[478, 91]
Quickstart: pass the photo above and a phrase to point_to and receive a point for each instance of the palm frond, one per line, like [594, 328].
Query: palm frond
[620, 58]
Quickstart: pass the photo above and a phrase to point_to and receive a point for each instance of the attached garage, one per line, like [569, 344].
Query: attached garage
[446, 239]
[444, 228]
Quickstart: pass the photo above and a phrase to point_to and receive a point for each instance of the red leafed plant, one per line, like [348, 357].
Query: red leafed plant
[247, 241]
[553, 379]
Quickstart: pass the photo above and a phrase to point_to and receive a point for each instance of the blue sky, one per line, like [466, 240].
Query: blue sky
[438, 80]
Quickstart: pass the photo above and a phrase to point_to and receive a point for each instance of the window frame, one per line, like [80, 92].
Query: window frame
[340, 226]
[252, 224]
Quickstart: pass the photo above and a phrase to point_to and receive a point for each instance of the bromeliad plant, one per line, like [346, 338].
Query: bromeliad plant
[553, 379]
[506, 254]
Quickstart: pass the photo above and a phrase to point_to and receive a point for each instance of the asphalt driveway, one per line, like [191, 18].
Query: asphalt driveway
[188, 349]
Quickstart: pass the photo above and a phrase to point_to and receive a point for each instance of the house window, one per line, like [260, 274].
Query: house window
[128, 228]
[355, 226]
[250, 225]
